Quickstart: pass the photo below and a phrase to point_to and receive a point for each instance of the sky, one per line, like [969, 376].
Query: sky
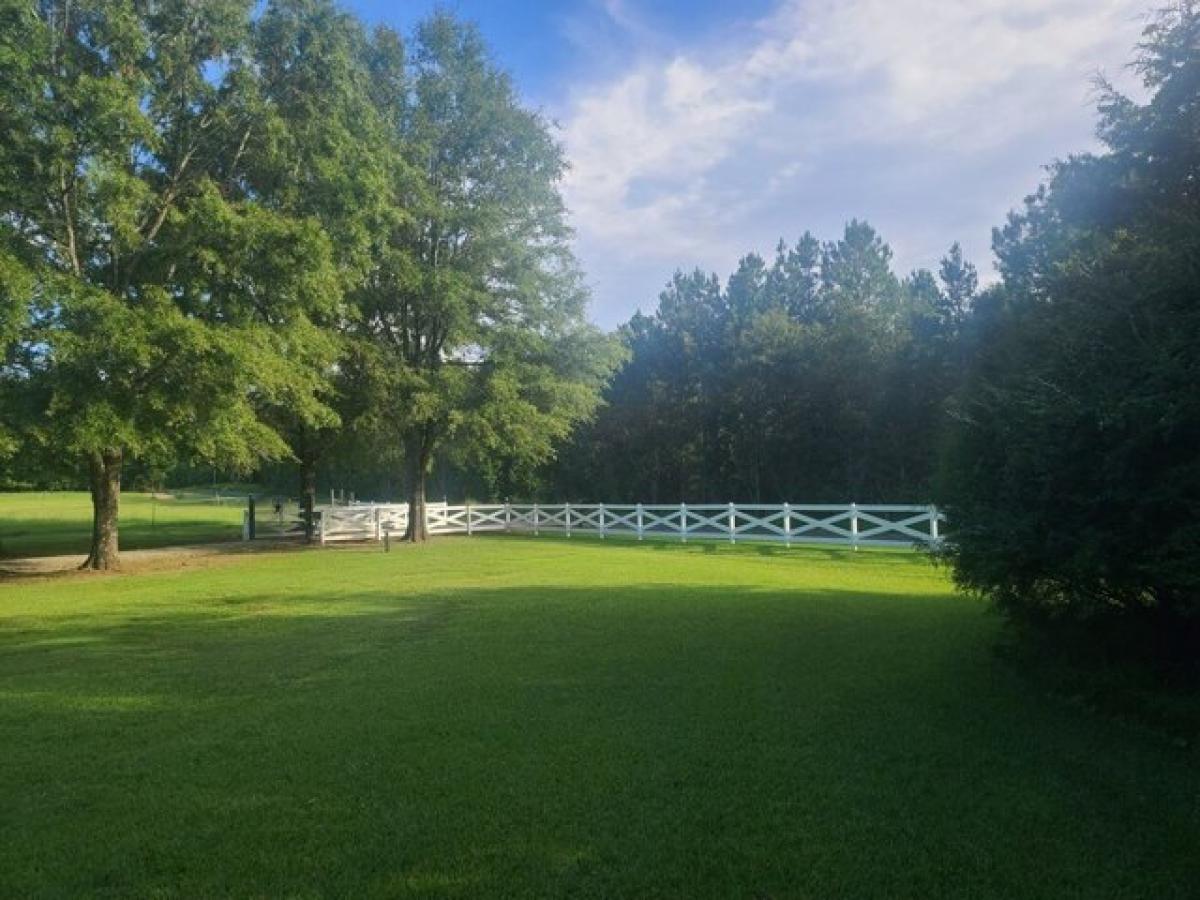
[700, 131]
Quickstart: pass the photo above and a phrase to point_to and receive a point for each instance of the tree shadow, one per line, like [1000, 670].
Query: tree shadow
[561, 739]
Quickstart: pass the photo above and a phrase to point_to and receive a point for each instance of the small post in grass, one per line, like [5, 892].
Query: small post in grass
[787, 524]
[387, 540]
[854, 525]
[639, 521]
[250, 530]
[683, 522]
[732, 525]
[567, 517]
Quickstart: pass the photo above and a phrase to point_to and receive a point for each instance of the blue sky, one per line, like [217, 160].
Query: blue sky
[699, 131]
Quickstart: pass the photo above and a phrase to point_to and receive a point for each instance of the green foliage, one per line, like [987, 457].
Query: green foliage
[819, 377]
[1074, 474]
[165, 303]
[475, 307]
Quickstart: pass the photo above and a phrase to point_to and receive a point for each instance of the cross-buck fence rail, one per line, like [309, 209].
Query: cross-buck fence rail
[885, 525]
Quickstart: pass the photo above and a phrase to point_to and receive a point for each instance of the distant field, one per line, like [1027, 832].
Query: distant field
[537, 717]
[60, 522]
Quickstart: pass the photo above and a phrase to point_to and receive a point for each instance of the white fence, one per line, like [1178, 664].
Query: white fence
[846, 524]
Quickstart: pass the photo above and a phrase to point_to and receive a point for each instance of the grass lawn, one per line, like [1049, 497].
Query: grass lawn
[60, 522]
[539, 717]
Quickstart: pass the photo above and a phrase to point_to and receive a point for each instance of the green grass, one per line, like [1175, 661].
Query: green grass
[537, 717]
[60, 522]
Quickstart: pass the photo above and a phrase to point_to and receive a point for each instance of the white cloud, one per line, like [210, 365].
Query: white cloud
[923, 115]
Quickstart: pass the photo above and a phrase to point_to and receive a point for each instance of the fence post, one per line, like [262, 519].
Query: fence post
[323, 518]
[507, 516]
[639, 521]
[787, 524]
[251, 519]
[683, 522]
[854, 525]
[602, 535]
[567, 517]
[934, 536]
[468, 505]
[375, 517]
[535, 520]
[732, 525]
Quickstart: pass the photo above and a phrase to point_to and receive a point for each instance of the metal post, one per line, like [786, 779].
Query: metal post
[787, 524]
[375, 516]
[732, 525]
[535, 520]
[567, 517]
[250, 518]
[639, 521]
[468, 519]
[507, 515]
[387, 540]
[323, 518]
[854, 525]
[683, 522]
[933, 525]
[245, 524]
[601, 521]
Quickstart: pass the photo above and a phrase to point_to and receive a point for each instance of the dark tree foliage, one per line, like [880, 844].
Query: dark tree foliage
[818, 377]
[1073, 476]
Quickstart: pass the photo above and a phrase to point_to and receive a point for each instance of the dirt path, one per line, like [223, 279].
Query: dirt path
[144, 560]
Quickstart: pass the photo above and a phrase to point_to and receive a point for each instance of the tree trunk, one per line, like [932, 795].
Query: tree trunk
[104, 478]
[308, 494]
[418, 467]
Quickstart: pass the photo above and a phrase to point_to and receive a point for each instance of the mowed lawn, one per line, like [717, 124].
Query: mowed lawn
[51, 523]
[513, 717]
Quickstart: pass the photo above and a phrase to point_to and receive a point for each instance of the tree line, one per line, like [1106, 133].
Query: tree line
[1054, 415]
[819, 377]
[231, 234]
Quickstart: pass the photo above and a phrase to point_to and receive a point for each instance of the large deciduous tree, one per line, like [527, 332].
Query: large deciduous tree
[324, 151]
[163, 305]
[475, 306]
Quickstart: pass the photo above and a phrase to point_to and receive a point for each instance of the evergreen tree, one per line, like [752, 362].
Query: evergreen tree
[1073, 474]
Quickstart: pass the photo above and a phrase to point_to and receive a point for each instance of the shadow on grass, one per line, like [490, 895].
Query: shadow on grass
[53, 537]
[564, 740]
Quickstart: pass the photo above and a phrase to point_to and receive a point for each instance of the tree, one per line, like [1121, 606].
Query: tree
[322, 151]
[960, 284]
[821, 377]
[1073, 472]
[475, 305]
[165, 306]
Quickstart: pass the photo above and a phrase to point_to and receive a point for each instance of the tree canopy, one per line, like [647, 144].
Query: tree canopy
[821, 376]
